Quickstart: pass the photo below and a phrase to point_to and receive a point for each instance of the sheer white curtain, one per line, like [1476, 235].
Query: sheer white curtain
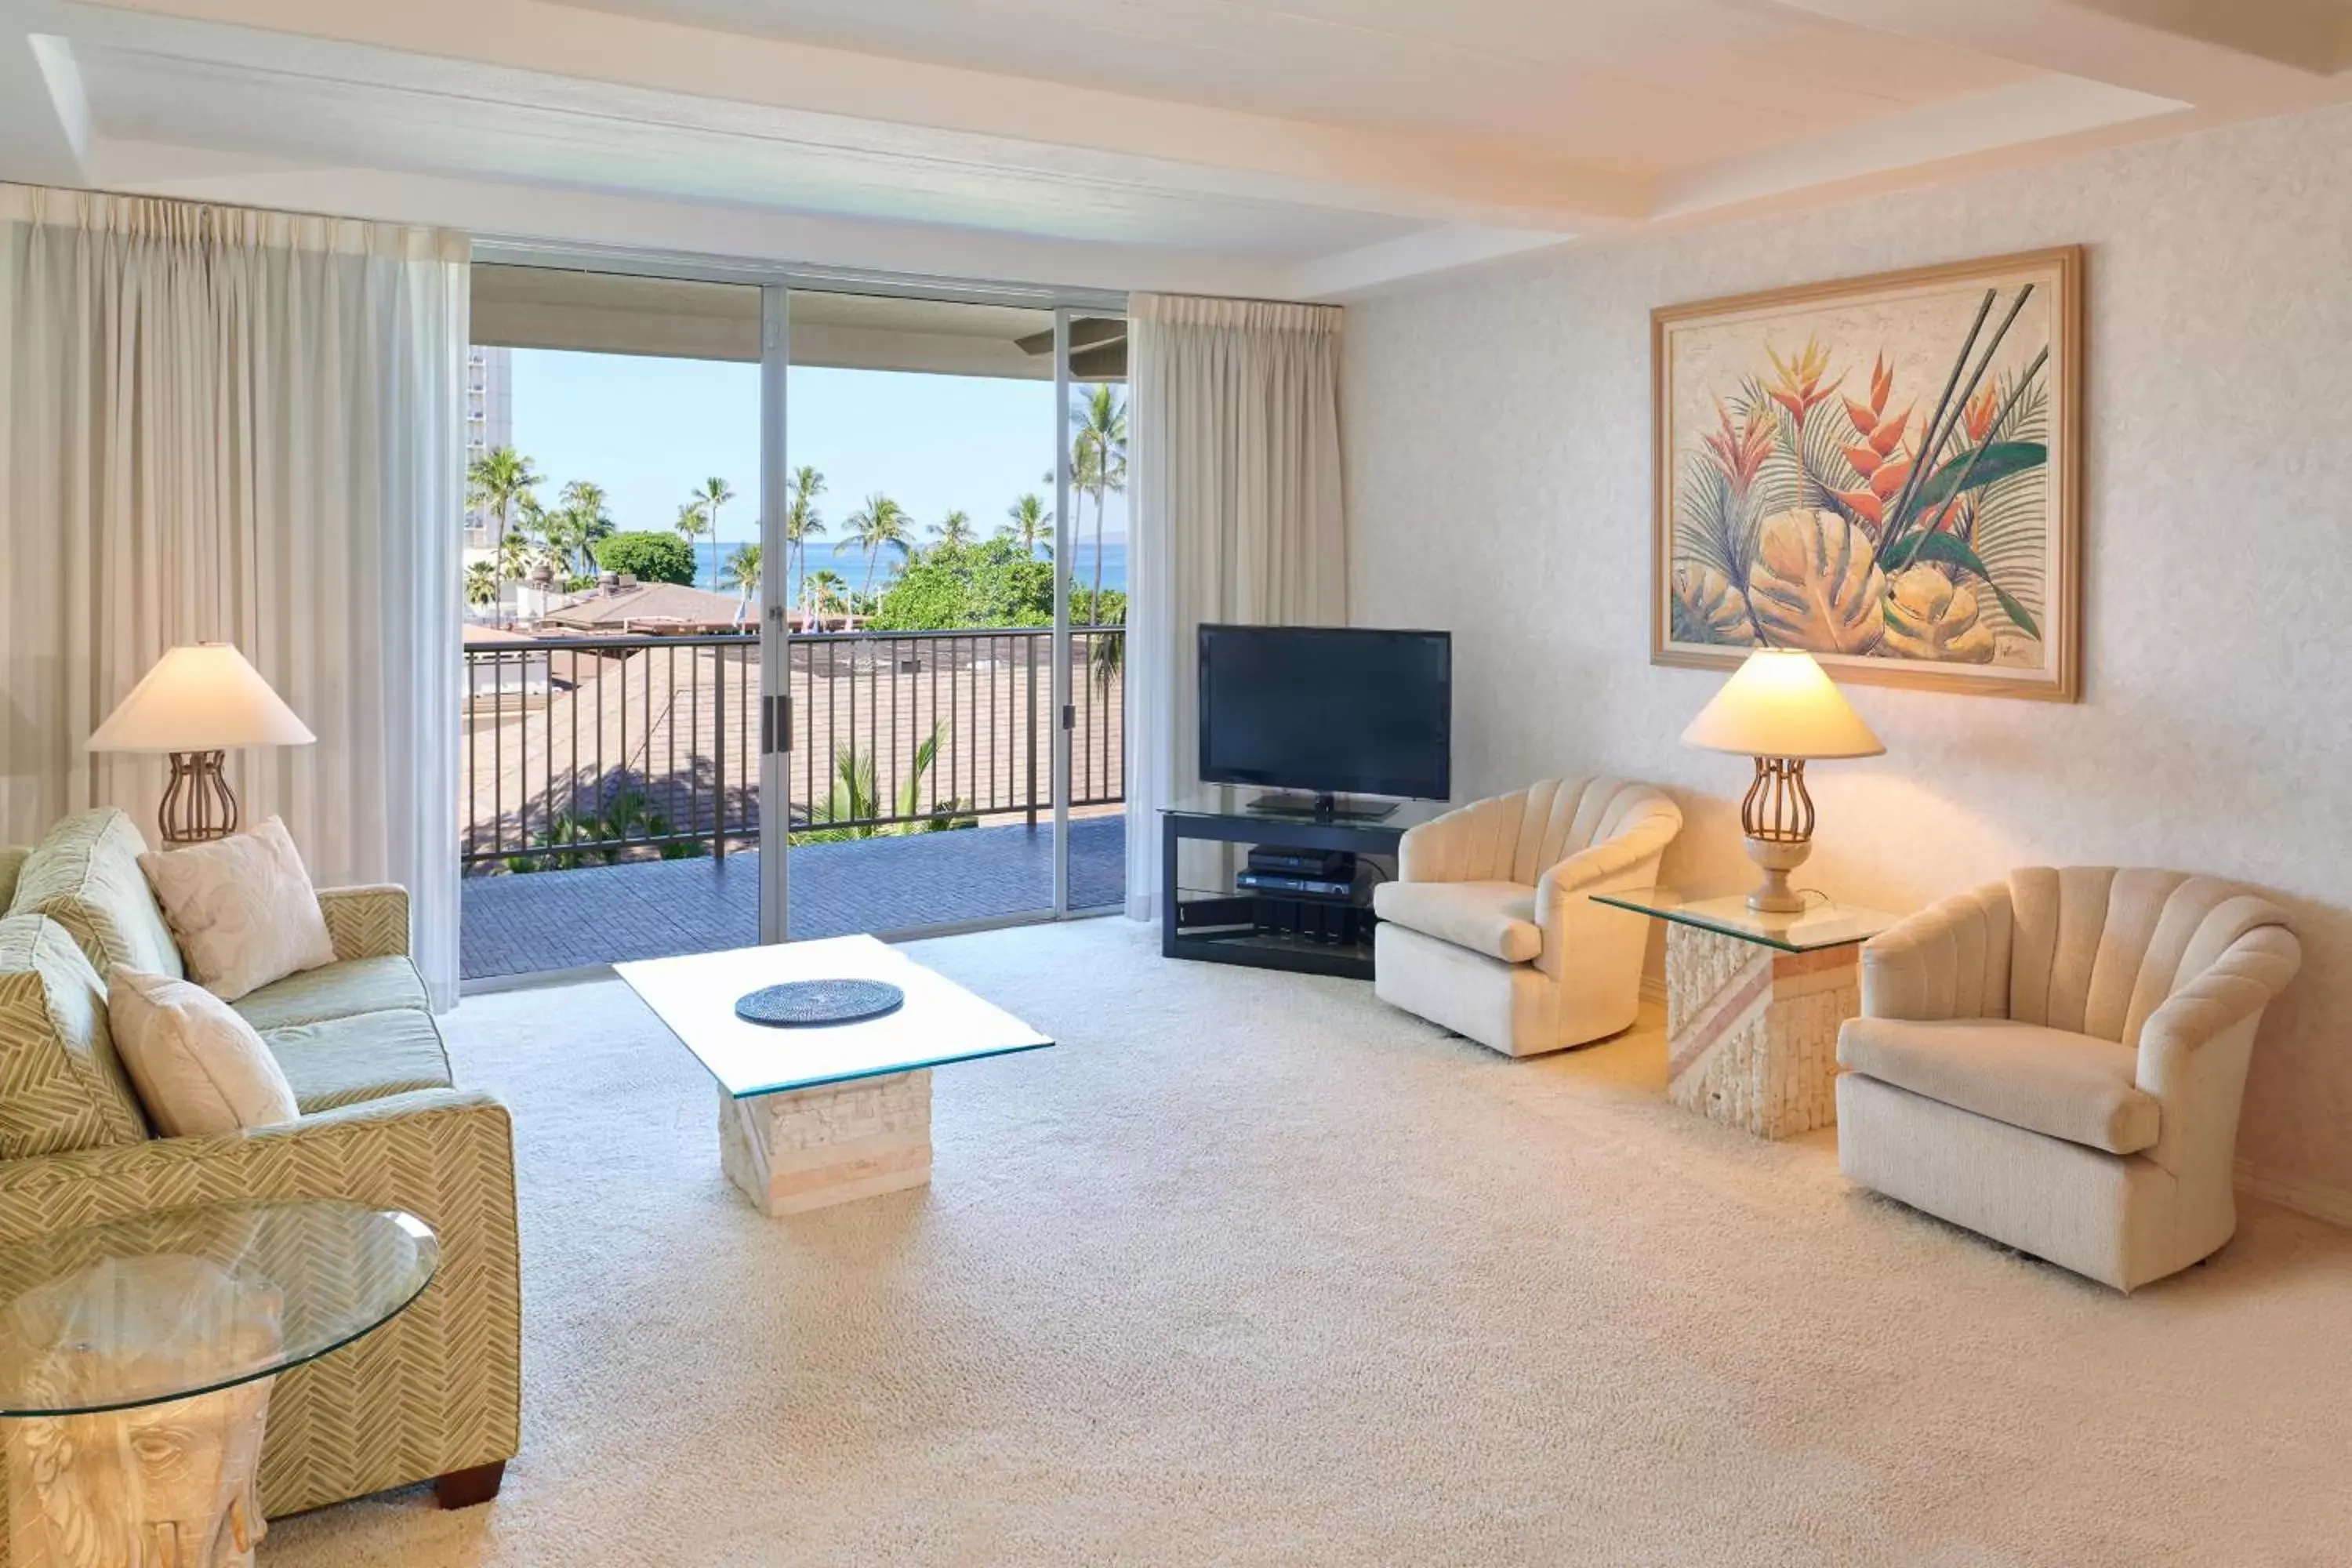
[216, 423]
[1235, 516]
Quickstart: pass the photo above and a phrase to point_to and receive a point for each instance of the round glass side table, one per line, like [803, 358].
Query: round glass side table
[136, 1360]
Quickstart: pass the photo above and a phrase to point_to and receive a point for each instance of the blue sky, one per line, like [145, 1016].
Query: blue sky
[650, 430]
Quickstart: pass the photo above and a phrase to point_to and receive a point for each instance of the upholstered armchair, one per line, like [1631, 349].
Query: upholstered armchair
[1488, 929]
[2056, 1061]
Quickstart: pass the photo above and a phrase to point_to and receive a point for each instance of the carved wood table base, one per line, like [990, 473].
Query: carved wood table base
[163, 1486]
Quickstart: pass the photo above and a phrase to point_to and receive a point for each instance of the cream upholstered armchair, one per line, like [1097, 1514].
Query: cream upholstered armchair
[1487, 929]
[2057, 1062]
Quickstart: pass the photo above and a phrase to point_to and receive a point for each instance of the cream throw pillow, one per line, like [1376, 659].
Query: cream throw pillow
[242, 910]
[200, 1068]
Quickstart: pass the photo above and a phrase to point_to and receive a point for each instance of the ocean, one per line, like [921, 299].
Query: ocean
[848, 563]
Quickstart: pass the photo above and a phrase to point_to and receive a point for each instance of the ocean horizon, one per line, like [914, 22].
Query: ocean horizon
[848, 561]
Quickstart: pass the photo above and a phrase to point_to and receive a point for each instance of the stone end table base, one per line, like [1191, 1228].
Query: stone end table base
[808, 1148]
[1751, 1031]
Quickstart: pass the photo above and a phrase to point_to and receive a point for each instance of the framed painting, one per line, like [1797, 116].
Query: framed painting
[1883, 471]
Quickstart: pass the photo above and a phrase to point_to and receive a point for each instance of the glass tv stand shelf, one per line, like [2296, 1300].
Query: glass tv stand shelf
[1202, 916]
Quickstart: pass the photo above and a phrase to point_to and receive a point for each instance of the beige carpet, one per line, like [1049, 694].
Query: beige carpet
[1252, 1269]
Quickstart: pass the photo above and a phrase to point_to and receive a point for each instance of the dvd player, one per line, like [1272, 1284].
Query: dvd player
[1296, 887]
[1330, 865]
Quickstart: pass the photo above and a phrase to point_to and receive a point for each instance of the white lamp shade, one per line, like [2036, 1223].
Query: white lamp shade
[1781, 703]
[200, 697]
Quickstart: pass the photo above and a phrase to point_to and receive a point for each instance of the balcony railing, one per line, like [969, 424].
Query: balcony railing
[581, 750]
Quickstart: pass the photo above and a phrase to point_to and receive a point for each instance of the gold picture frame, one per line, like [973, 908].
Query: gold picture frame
[1884, 470]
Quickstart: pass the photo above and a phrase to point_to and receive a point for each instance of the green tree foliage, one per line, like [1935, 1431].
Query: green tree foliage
[1099, 459]
[1030, 523]
[712, 494]
[743, 570]
[991, 583]
[481, 584]
[803, 522]
[654, 557]
[1097, 606]
[856, 803]
[881, 524]
[498, 483]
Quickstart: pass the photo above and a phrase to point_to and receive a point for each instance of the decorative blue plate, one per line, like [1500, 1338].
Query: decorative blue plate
[806, 1004]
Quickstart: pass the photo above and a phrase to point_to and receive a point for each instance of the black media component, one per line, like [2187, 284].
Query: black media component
[1332, 864]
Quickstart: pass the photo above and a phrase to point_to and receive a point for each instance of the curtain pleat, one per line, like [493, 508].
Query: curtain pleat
[220, 423]
[1237, 516]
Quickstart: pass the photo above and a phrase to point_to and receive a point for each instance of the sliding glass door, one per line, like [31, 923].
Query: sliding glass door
[793, 612]
[1095, 439]
[943, 757]
[609, 809]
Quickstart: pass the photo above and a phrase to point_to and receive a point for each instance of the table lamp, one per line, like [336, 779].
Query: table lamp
[200, 700]
[1781, 709]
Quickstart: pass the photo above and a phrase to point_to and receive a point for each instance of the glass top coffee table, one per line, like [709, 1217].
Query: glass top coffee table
[136, 1360]
[818, 1115]
[1754, 1001]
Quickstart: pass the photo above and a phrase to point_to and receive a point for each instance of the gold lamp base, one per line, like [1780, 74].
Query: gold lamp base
[198, 806]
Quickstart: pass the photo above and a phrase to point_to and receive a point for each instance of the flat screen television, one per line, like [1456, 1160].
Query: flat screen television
[1330, 710]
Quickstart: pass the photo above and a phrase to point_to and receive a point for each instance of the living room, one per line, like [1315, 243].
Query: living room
[1695, 622]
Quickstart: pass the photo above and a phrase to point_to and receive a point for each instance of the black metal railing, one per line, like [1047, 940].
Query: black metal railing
[582, 750]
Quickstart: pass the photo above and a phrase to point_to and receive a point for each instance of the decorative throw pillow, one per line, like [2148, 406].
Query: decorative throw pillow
[62, 1087]
[242, 910]
[200, 1069]
[84, 875]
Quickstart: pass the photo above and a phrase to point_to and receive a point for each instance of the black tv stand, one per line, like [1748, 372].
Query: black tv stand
[1324, 807]
[1223, 924]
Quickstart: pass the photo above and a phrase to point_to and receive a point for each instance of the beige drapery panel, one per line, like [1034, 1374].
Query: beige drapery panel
[1236, 515]
[218, 423]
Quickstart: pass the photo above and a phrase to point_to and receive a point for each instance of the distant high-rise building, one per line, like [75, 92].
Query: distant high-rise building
[490, 422]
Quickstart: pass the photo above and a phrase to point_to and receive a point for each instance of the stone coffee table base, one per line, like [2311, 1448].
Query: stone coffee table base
[807, 1148]
[1751, 1031]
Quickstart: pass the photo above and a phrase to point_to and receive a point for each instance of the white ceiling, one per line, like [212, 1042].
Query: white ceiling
[1303, 148]
[1629, 88]
[474, 121]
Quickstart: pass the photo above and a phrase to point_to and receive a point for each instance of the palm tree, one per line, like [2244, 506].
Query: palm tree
[955, 529]
[481, 584]
[824, 590]
[854, 801]
[1098, 463]
[693, 522]
[514, 557]
[743, 575]
[882, 523]
[713, 495]
[803, 522]
[584, 506]
[1032, 520]
[496, 482]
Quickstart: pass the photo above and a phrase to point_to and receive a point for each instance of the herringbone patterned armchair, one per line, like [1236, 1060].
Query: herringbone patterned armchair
[434, 1396]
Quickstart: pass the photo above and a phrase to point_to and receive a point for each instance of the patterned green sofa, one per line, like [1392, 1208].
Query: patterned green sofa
[436, 1394]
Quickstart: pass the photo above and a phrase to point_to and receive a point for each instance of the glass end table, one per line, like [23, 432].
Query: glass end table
[136, 1360]
[1754, 1001]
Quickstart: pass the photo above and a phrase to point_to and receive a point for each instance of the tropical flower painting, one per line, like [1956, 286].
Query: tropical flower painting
[1880, 472]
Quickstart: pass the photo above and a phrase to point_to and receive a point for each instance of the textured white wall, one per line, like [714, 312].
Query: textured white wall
[1498, 431]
